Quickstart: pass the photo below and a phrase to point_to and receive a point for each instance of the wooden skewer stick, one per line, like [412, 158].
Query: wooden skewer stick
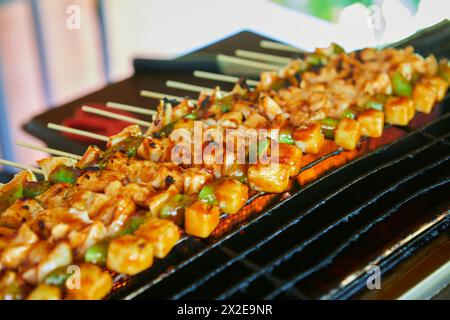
[160, 96]
[116, 116]
[21, 166]
[79, 132]
[222, 77]
[262, 56]
[48, 150]
[248, 63]
[190, 87]
[279, 46]
[127, 107]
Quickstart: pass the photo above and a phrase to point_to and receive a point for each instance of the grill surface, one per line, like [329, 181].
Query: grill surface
[377, 205]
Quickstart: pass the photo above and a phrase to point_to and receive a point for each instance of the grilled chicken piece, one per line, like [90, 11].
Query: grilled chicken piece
[245, 107]
[268, 80]
[268, 107]
[44, 221]
[17, 248]
[231, 195]
[424, 97]
[94, 284]
[273, 178]
[129, 255]
[291, 156]
[139, 192]
[114, 214]
[309, 138]
[161, 234]
[90, 235]
[372, 122]
[156, 202]
[438, 85]
[399, 110]
[56, 196]
[201, 219]
[256, 121]
[130, 169]
[158, 120]
[184, 108]
[44, 258]
[195, 178]
[87, 201]
[347, 133]
[155, 149]
[90, 158]
[59, 256]
[167, 175]
[231, 119]
[19, 212]
[5, 235]
[128, 132]
[97, 182]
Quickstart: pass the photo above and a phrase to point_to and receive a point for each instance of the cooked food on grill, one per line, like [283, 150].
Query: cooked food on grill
[117, 210]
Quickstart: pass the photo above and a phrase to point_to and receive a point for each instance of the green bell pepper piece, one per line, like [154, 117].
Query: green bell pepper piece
[349, 113]
[337, 49]
[63, 174]
[286, 137]
[8, 198]
[207, 195]
[401, 86]
[191, 116]
[174, 209]
[97, 254]
[314, 60]
[57, 278]
[133, 224]
[33, 189]
[328, 126]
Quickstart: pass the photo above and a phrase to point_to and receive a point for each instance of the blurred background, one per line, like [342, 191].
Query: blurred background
[52, 51]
